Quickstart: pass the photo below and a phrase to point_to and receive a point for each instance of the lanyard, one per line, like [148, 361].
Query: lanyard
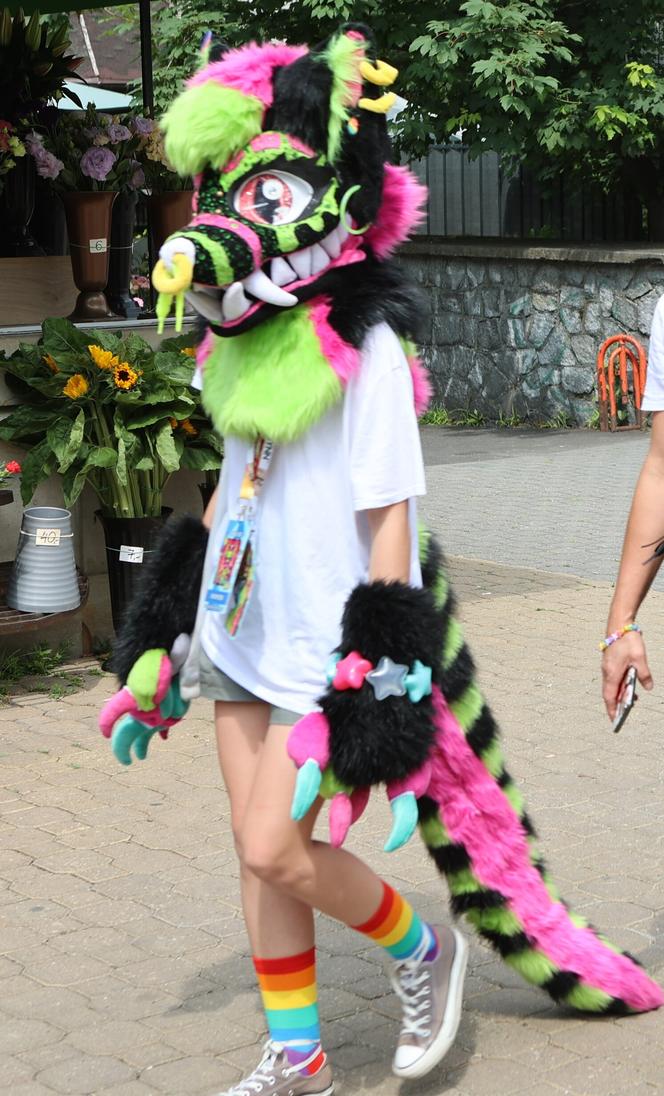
[233, 580]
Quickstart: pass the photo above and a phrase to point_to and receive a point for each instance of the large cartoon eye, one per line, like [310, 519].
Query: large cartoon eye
[272, 197]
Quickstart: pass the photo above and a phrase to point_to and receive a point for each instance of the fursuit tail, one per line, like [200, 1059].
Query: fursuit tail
[474, 825]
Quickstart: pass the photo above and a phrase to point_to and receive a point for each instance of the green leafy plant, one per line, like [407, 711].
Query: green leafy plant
[34, 64]
[107, 410]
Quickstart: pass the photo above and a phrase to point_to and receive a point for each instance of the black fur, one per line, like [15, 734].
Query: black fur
[450, 858]
[165, 603]
[376, 292]
[377, 741]
[301, 103]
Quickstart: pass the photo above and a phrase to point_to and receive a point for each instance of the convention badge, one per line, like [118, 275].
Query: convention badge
[241, 592]
[233, 580]
[233, 549]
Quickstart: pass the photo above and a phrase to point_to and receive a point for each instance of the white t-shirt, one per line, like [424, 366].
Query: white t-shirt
[312, 543]
[653, 398]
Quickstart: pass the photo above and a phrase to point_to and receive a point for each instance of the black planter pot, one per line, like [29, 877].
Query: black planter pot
[18, 205]
[123, 221]
[123, 578]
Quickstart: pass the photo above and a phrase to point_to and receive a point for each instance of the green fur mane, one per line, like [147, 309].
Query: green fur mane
[273, 380]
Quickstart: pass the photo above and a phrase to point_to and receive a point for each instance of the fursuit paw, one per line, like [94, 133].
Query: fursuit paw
[150, 702]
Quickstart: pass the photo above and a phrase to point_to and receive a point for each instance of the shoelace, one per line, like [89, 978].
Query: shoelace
[263, 1075]
[411, 982]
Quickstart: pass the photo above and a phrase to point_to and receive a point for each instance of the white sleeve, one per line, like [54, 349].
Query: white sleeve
[386, 463]
[653, 399]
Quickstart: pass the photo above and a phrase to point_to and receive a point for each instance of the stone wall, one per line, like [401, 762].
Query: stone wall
[516, 329]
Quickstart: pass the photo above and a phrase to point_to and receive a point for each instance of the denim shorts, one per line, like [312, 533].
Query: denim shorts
[216, 685]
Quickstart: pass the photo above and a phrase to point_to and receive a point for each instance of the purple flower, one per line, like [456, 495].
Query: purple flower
[97, 162]
[117, 133]
[142, 126]
[48, 166]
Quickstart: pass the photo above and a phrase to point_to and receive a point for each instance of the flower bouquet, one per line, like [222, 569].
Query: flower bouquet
[8, 469]
[34, 64]
[107, 410]
[11, 148]
[92, 151]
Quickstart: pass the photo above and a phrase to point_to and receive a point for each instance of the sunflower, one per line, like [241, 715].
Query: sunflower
[124, 376]
[51, 363]
[76, 386]
[104, 359]
[190, 351]
[188, 428]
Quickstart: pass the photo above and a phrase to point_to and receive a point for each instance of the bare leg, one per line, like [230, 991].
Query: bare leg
[278, 923]
[282, 854]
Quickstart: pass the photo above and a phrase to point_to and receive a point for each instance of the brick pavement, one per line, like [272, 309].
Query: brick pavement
[123, 957]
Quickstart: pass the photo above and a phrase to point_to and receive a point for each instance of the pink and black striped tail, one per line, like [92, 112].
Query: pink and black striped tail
[475, 827]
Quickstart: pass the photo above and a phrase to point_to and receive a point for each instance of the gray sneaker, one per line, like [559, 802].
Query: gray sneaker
[276, 1075]
[431, 995]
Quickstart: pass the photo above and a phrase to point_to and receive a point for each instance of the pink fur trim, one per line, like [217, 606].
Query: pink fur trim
[217, 220]
[204, 349]
[310, 738]
[422, 386]
[194, 198]
[477, 814]
[299, 145]
[233, 162]
[249, 69]
[266, 140]
[417, 783]
[343, 358]
[401, 210]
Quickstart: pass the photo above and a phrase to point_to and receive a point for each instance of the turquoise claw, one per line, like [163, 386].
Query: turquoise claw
[418, 682]
[331, 668]
[404, 810]
[173, 706]
[307, 785]
[128, 733]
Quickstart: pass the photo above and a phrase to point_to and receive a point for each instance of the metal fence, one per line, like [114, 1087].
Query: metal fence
[478, 198]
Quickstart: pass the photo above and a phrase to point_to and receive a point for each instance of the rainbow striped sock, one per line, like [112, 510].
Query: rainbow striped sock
[398, 929]
[288, 989]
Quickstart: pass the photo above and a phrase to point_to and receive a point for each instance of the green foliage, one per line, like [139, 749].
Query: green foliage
[554, 84]
[107, 410]
[442, 416]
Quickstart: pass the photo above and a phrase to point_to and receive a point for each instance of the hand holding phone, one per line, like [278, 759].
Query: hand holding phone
[626, 698]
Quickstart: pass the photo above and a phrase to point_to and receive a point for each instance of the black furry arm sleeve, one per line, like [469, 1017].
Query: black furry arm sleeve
[166, 601]
[375, 740]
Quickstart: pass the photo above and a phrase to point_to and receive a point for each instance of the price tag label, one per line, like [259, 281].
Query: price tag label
[47, 538]
[99, 247]
[130, 554]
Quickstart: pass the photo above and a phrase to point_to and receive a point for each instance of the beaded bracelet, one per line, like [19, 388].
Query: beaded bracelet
[618, 635]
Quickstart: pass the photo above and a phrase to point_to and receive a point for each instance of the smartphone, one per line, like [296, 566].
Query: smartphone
[626, 698]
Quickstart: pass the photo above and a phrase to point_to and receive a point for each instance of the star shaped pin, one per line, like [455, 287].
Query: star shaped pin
[388, 679]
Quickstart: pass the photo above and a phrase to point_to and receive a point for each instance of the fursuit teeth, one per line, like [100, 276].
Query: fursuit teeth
[475, 828]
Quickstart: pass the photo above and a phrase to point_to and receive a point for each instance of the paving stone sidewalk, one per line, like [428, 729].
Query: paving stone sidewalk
[124, 965]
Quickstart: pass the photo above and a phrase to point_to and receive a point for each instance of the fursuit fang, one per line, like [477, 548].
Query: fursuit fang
[287, 257]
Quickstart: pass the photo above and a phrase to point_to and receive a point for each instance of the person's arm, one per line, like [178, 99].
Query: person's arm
[208, 516]
[645, 526]
[390, 543]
